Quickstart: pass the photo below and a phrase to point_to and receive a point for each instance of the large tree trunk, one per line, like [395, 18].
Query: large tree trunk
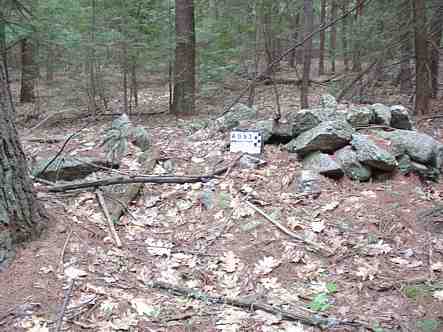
[333, 45]
[308, 10]
[295, 26]
[321, 59]
[184, 68]
[435, 38]
[21, 216]
[422, 74]
[29, 72]
[356, 54]
[405, 74]
[344, 35]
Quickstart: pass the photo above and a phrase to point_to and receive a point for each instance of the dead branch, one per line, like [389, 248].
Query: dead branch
[105, 210]
[317, 320]
[358, 78]
[137, 179]
[292, 49]
[65, 245]
[282, 228]
[66, 300]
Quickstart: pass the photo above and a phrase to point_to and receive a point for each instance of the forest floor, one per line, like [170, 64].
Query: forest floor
[385, 273]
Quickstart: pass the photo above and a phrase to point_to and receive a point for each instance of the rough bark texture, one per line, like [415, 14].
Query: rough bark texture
[333, 35]
[405, 74]
[356, 61]
[27, 94]
[308, 10]
[435, 37]
[422, 74]
[321, 59]
[344, 35]
[184, 69]
[21, 217]
[295, 38]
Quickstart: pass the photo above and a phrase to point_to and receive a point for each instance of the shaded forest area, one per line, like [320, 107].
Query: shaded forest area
[122, 207]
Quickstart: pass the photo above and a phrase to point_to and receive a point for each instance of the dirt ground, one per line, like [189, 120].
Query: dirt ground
[227, 267]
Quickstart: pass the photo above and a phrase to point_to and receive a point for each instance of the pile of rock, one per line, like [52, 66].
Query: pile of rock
[331, 142]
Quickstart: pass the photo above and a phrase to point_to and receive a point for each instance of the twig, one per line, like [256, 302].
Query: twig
[62, 255]
[228, 170]
[282, 228]
[59, 152]
[112, 230]
[59, 324]
[317, 321]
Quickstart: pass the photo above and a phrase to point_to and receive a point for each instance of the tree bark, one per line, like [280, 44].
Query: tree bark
[435, 38]
[308, 10]
[422, 72]
[21, 216]
[321, 59]
[333, 42]
[356, 61]
[29, 73]
[293, 58]
[344, 36]
[184, 68]
[405, 74]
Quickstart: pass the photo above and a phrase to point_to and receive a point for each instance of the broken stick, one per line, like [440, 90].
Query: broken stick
[313, 245]
[108, 218]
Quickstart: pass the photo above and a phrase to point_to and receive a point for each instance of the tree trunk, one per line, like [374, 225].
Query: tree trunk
[333, 45]
[21, 216]
[27, 93]
[295, 37]
[321, 59]
[405, 74]
[308, 10]
[92, 93]
[356, 61]
[423, 79]
[435, 38]
[344, 36]
[184, 68]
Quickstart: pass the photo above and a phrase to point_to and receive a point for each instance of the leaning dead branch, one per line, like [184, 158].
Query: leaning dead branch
[58, 326]
[311, 244]
[108, 218]
[317, 320]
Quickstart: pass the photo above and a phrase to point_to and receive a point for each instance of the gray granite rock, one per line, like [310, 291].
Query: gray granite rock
[400, 118]
[369, 153]
[351, 166]
[322, 163]
[326, 137]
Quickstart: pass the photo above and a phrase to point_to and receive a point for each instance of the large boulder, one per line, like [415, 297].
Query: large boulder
[239, 112]
[400, 118]
[382, 114]
[351, 166]
[360, 117]
[322, 163]
[267, 128]
[372, 155]
[421, 147]
[406, 166]
[274, 131]
[328, 136]
[328, 101]
[304, 120]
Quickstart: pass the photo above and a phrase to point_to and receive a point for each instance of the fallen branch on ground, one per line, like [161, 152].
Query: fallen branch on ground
[314, 320]
[137, 179]
[66, 301]
[282, 228]
[112, 230]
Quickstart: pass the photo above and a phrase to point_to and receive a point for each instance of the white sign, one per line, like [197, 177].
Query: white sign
[247, 141]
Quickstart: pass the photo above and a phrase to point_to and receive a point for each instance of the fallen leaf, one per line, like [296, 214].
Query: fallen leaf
[266, 265]
[330, 206]
[318, 227]
[438, 295]
[230, 262]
